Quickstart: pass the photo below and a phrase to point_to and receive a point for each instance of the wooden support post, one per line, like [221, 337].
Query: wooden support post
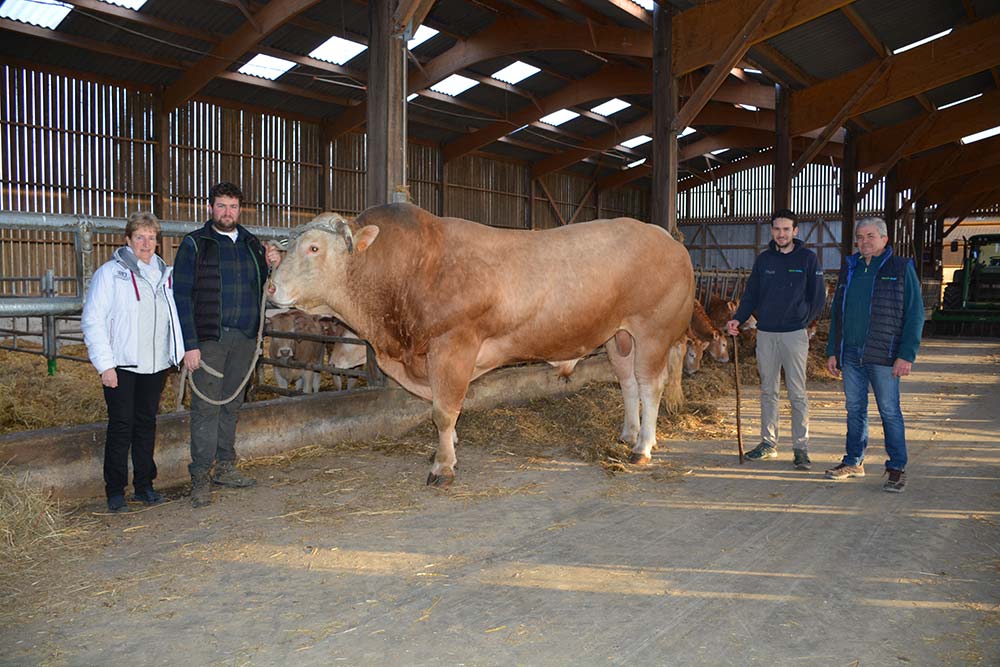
[848, 192]
[919, 238]
[161, 160]
[386, 144]
[890, 206]
[782, 198]
[664, 154]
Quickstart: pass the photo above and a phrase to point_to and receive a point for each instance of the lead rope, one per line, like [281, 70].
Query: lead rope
[253, 364]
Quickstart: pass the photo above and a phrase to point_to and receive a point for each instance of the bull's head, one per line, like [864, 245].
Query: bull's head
[313, 272]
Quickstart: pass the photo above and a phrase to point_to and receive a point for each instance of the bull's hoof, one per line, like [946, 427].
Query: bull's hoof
[637, 459]
[442, 481]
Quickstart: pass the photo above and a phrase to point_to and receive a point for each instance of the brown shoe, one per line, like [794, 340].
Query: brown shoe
[201, 490]
[226, 474]
[843, 471]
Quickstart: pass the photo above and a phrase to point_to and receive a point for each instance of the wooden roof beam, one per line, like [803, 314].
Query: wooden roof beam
[984, 181]
[903, 149]
[720, 70]
[269, 18]
[966, 51]
[840, 117]
[961, 160]
[612, 80]
[714, 113]
[949, 125]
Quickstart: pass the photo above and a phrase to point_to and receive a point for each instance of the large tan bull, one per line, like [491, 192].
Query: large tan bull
[444, 300]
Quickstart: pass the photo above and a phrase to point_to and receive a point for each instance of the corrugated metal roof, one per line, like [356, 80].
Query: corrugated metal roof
[825, 47]
[957, 90]
[892, 114]
[901, 22]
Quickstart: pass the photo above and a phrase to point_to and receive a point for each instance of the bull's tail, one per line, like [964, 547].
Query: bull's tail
[673, 395]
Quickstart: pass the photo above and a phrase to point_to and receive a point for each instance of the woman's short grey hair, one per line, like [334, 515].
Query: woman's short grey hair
[142, 219]
[878, 223]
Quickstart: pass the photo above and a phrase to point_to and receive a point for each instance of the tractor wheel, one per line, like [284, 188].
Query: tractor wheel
[952, 296]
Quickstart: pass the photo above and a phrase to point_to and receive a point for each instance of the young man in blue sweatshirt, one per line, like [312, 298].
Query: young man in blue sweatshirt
[876, 322]
[786, 292]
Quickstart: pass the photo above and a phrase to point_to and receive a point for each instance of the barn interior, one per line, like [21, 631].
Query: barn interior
[701, 116]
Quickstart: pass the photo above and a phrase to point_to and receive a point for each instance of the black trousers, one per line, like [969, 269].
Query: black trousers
[132, 408]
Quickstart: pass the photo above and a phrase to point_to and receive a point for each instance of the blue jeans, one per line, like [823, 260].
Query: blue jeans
[857, 378]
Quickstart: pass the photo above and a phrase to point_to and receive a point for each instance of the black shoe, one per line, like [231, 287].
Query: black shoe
[117, 504]
[148, 497]
[896, 481]
[764, 450]
[801, 459]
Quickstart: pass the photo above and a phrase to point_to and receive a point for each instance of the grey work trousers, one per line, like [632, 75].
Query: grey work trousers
[783, 350]
[213, 427]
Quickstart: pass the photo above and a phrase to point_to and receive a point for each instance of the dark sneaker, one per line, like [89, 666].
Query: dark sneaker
[148, 497]
[801, 459]
[843, 471]
[764, 450]
[226, 474]
[201, 490]
[896, 481]
[117, 504]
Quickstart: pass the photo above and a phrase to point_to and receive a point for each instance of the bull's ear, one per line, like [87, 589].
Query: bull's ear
[365, 237]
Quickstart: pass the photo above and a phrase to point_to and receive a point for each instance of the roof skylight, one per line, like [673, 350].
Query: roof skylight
[645, 4]
[748, 107]
[921, 42]
[559, 117]
[43, 14]
[515, 72]
[411, 97]
[127, 4]
[630, 165]
[751, 70]
[686, 131]
[612, 106]
[266, 67]
[637, 141]
[978, 136]
[454, 85]
[957, 102]
[422, 34]
[337, 50]
[718, 150]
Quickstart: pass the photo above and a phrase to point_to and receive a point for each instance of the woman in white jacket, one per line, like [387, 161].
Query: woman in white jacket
[133, 336]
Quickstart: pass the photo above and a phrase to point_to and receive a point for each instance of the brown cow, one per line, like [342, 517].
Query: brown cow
[694, 351]
[289, 349]
[343, 355]
[445, 300]
[702, 327]
[720, 311]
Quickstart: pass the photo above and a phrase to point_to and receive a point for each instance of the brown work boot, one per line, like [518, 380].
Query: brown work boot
[201, 490]
[226, 474]
[843, 471]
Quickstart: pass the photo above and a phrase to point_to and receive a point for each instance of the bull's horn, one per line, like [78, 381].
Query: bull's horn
[342, 228]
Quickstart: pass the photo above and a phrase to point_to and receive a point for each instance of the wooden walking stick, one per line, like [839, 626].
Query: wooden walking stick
[739, 421]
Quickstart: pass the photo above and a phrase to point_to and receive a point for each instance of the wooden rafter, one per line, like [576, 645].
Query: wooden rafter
[966, 51]
[799, 76]
[948, 126]
[840, 117]
[268, 19]
[961, 160]
[902, 150]
[720, 70]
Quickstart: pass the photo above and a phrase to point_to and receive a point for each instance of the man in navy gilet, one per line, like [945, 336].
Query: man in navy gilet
[876, 322]
[787, 292]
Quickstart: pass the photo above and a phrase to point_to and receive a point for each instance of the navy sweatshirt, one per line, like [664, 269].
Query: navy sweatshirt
[785, 290]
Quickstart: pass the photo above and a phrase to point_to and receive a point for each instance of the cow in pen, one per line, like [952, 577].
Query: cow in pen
[444, 300]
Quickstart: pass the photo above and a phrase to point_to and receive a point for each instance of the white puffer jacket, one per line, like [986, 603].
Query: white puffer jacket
[119, 303]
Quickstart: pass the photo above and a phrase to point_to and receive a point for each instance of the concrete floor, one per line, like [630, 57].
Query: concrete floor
[345, 558]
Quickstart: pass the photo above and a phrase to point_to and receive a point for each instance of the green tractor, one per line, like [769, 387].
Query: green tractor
[971, 302]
